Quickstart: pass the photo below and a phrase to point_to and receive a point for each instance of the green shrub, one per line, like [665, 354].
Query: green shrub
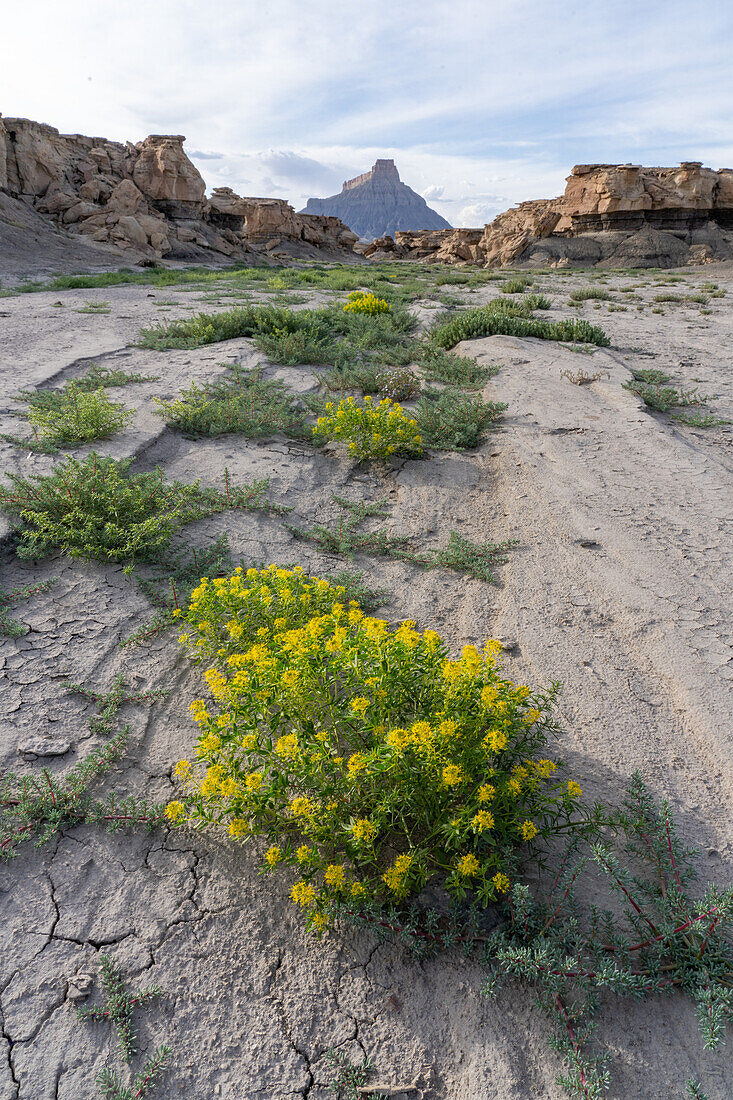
[78, 416]
[293, 348]
[453, 421]
[439, 365]
[663, 398]
[244, 402]
[210, 328]
[516, 286]
[371, 431]
[96, 509]
[476, 323]
[586, 294]
[370, 762]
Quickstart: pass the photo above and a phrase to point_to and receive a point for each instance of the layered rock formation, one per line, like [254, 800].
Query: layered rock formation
[610, 215]
[377, 203]
[149, 200]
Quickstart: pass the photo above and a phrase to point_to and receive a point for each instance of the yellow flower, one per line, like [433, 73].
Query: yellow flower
[228, 788]
[489, 695]
[287, 746]
[486, 792]
[396, 876]
[364, 830]
[360, 705]
[273, 856]
[334, 876]
[501, 883]
[290, 677]
[182, 769]
[528, 830]
[319, 921]
[301, 806]
[357, 763]
[303, 894]
[238, 827]
[482, 821]
[468, 865]
[452, 775]
[358, 890]
[253, 782]
[304, 853]
[174, 811]
[574, 790]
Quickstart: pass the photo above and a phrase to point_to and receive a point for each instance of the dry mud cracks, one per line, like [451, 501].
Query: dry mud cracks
[618, 588]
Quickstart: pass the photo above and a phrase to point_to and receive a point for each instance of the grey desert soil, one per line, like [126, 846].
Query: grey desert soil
[620, 587]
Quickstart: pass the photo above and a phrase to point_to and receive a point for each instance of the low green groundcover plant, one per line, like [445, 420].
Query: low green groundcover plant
[475, 323]
[78, 416]
[370, 430]
[97, 509]
[371, 762]
[243, 402]
[439, 365]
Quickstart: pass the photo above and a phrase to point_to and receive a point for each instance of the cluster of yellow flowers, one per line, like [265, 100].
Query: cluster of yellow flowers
[371, 761]
[359, 302]
[370, 430]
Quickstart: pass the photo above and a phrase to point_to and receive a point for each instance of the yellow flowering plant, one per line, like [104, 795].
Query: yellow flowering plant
[359, 302]
[371, 430]
[371, 761]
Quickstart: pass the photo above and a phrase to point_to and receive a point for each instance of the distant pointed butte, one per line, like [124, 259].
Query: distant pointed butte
[377, 203]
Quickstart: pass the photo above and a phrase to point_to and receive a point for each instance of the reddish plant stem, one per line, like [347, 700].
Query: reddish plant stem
[573, 1040]
[671, 853]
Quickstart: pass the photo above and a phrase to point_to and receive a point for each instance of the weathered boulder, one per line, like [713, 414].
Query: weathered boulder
[126, 199]
[165, 175]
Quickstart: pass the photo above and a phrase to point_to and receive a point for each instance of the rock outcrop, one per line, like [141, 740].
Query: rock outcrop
[149, 200]
[610, 215]
[377, 203]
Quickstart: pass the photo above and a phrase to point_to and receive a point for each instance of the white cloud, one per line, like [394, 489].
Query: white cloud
[477, 101]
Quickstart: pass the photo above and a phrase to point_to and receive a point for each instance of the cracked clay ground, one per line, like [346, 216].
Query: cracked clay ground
[619, 587]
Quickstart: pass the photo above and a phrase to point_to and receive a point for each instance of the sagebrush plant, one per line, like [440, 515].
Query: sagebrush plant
[95, 508]
[368, 303]
[243, 402]
[370, 430]
[78, 416]
[449, 420]
[370, 761]
[439, 365]
[475, 323]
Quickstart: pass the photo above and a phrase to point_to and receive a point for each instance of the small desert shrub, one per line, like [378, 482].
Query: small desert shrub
[78, 416]
[663, 398]
[581, 377]
[516, 286]
[439, 365]
[453, 421]
[371, 431]
[210, 328]
[586, 294]
[362, 374]
[244, 402]
[398, 384]
[292, 348]
[96, 509]
[536, 301]
[476, 323]
[371, 762]
[365, 303]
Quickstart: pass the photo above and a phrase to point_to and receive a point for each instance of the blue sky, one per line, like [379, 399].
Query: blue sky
[482, 103]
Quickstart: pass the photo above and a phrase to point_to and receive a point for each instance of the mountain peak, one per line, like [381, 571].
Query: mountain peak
[378, 203]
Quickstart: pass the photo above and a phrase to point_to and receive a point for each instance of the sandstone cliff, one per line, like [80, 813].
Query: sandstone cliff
[146, 201]
[610, 215]
[377, 203]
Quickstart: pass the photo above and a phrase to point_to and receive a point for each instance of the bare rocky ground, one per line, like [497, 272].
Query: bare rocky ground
[619, 587]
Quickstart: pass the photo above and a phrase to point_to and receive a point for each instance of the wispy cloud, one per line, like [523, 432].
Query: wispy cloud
[482, 103]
